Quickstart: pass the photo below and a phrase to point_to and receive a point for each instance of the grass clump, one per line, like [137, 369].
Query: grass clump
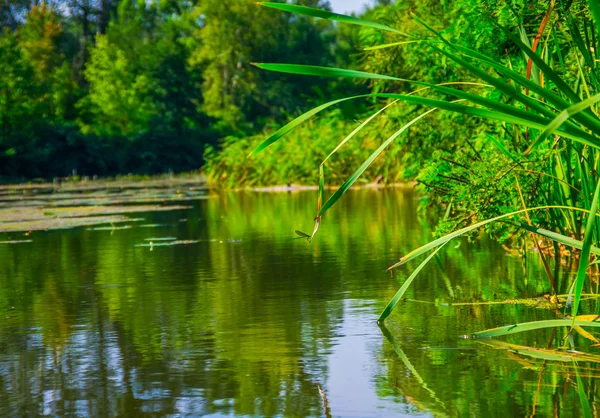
[531, 169]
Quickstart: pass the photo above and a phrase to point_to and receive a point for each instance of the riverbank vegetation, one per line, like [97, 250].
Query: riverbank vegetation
[531, 170]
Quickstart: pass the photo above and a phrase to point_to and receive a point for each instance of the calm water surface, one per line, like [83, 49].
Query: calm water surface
[250, 322]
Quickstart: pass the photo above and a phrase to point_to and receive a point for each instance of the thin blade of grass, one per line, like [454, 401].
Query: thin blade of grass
[554, 236]
[442, 240]
[327, 15]
[352, 179]
[595, 9]
[582, 137]
[562, 118]
[584, 257]
[512, 111]
[394, 301]
[318, 71]
[393, 44]
[530, 326]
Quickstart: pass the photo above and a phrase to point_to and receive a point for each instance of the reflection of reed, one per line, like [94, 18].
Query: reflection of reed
[325, 403]
[388, 336]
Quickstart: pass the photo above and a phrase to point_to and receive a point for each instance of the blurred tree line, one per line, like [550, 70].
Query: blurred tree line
[102, 87]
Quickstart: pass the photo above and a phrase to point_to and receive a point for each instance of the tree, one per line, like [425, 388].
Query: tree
[232, 35]
[40, 38]
[16, 89]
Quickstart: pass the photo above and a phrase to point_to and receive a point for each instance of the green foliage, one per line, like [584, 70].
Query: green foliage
[524, 110]
[232, 168]
[130, 72]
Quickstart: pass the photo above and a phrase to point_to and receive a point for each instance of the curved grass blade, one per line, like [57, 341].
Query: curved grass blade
[321, 192]
[355, 131]
[584, 257]
[352, 179]
[298, 121]
[318, 71]
[442, 240]
[562, 118]
[595, 9]
[531, 122]
[327, 15]
[392, 303]
[511, 111]
[554, 236]
[393, 44]
[530, 326]
[590, 121]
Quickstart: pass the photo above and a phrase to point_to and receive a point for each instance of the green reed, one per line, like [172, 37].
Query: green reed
[553, 108]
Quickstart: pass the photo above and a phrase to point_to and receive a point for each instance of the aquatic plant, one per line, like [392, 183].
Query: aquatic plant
[549, 114]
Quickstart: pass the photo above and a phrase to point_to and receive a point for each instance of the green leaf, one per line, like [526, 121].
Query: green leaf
[563, 117]
[530, 326]
[392, 303]
[325, 14]
[352, 179]
[595, 8]
[543, 353]
[562, 239]
[584, 257]
[436, 243]
[532, 121]
[315, 70]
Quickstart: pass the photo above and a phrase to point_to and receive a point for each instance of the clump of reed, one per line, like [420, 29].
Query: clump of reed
[553, 108]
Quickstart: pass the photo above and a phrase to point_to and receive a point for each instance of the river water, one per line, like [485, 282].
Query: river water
[249, 321]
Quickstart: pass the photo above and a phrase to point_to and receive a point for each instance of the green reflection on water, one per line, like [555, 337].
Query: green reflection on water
[248, 321]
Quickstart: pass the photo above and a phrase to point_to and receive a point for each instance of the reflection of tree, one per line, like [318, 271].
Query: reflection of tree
[214, 326]
[244, 321]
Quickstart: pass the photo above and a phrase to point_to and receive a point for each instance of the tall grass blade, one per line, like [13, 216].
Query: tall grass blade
[318, 71]
[584, 257]
[543, 353]
[298, 121]
[352, 179]
[442, 240]
[392, 303]
[595, 8]
[530, 326]
[562, 118]
[554, 236]
[325, 14]
[528, 120]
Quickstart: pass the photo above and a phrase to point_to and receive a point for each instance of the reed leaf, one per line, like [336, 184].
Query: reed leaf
[543, 353]
[327, 15]
[352, 179]
[530, 326]
[530, 121]
[585, 403]
[442, 240]
[318, 71]
[562, 118]
[394, 301]
[554, 236]
[584, 258]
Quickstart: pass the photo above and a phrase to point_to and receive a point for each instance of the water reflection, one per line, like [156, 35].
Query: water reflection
[249, 321]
